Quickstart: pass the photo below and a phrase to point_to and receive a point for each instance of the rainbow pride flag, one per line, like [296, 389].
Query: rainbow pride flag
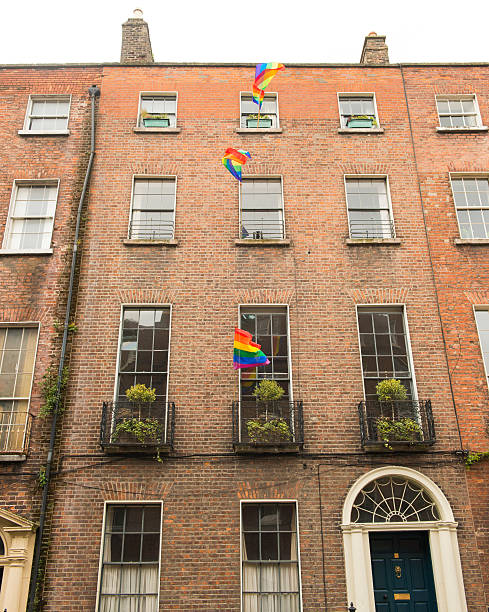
[233, 160]
[247, 354]
[258, 95]
[264, 73]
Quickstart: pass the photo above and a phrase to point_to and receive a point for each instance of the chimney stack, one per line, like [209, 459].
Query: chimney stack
[136, 44]
[375, 52]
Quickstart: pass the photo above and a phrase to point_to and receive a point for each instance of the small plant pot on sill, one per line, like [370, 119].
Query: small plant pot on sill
[264, 123]
[360, 123]
[161, 123]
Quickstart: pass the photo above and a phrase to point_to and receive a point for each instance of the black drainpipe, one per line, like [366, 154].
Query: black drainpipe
[94, 92]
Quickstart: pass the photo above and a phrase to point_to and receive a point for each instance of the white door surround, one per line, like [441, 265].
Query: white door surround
[445, 556]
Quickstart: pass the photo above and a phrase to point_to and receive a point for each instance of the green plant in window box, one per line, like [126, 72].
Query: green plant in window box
[273, 430]
[268, 391]
[252, 121]
[398, 430]
[154, 119]
[361, 121]
[391, 390]
[141, 394]
[144, 430]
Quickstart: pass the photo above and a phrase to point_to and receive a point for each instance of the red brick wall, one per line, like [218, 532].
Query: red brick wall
[461, 271]
[33, 287]
[205, 278]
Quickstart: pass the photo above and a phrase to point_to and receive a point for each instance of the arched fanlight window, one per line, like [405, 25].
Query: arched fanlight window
[393, 499]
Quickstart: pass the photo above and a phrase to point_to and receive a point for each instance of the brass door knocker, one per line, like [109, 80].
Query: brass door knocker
[397, 569]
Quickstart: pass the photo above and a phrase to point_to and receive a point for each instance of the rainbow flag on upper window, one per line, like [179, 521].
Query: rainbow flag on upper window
[264, 73]
[247, 354]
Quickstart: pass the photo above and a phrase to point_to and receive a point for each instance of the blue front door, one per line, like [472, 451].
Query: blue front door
[402, 572]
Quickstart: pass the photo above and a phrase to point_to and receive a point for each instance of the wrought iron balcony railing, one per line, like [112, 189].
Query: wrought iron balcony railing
[401, 424]
[151, 230]
[15, 429]
[130, 427]
[372, 229]
[262, 229]
[268, 427]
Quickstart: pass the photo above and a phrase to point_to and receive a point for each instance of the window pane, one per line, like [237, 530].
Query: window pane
[384, 352]
[275, 579]
[143, 330]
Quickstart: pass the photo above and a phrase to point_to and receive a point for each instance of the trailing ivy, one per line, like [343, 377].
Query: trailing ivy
[49, 390]
[471, 458]
[42, 478]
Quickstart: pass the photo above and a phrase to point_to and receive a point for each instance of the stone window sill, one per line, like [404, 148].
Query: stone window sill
[26, 252]
[372, 241]
[259, 131]
[475, 241]
[257, 243]
[134, 242]
[156, 130]
[361, 130]
[449, 130]
[43, 132]
[13, 457]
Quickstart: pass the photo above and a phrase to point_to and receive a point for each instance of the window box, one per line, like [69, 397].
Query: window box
[419, 411]
[259, 428]
[157, 110]
[264, 123]
[361, 122]
[269, 118]
[358, 111]
[153, 122]
[160, 416]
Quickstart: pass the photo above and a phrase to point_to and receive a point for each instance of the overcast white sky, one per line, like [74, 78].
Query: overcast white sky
[271, 30]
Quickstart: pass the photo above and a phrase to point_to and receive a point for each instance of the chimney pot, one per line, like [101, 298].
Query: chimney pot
[375, 52]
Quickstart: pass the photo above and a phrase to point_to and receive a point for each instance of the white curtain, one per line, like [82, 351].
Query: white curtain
[129, 579]
[126, 578]
[269, 577]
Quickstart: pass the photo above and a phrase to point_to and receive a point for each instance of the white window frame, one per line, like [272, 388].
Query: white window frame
[118, 502]
[20, 183]
[459, 97]
[23, 324]
[269, 94]
[466, 175]
[263, 176]
[289, 348]
[121, 318]
[360, 177]
[357, 94]
[143, 177]
[269, 501]
[475, 308]
[402, 306]
[40, 97]
[156, 94]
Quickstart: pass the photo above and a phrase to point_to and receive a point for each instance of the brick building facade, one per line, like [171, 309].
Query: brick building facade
[340, 252]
